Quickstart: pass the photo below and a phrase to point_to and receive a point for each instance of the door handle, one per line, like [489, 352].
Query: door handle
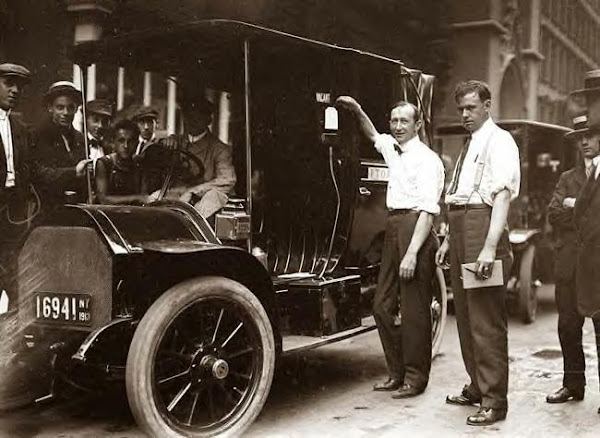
[364, 191]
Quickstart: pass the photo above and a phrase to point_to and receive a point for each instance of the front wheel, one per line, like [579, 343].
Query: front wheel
[201, 361]
[527, 297]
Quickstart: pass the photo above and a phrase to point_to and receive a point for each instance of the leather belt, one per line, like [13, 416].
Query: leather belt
[394, 212]
[465, 207]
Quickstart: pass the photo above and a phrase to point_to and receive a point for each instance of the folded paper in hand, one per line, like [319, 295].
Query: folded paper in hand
[470, 281]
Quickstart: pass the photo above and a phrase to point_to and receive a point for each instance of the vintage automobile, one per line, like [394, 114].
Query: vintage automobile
[193, 317]
[544, 156]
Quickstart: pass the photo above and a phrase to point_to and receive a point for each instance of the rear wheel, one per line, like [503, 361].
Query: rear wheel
[527, 297]
[439, 311]
[201, 361]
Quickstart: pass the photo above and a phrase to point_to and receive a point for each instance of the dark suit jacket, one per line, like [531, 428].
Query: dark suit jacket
[587, 222]
[53, 166]
[15, 200]
[561, 218]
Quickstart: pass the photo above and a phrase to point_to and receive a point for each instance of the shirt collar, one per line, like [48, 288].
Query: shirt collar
[92, 138]
[195, 138]
[4, 114]
[143, 140]
[596, 160]
[410, 144]
[484, 129]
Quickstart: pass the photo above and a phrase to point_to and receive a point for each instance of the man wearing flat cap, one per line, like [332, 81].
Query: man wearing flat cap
[146, 118]
[561, 217]
[216, 180]
[59, 158]
[99, 115]
[14, 175]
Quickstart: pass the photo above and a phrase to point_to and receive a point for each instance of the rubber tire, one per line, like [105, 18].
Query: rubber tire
[436, 342]
[146, 340]
[527, 296]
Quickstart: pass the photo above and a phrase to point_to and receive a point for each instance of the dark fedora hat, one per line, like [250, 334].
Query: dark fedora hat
[15, 70]
[591, 83]
[62, 88]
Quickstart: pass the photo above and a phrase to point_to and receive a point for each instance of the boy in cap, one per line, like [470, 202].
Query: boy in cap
[99, 115]
[14, 174]
[146, 118]
[59, 159]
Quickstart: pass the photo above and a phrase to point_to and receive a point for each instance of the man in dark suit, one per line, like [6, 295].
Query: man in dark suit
[560, 216]
[58, 158]
[14, 175]
[587, 210]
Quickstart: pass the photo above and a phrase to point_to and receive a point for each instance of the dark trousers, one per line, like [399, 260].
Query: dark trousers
[481, 314]
[407, 346]
[570, 324]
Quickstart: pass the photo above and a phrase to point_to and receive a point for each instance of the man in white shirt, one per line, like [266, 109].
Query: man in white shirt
[14, 175]
[485, 180]
[416, 179]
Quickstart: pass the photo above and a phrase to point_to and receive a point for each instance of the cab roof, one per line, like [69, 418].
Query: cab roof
[174, 47]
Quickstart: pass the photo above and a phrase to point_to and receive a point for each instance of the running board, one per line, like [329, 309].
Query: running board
[295, 343]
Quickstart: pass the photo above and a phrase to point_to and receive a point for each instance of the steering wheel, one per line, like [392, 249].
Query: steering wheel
[162, 167]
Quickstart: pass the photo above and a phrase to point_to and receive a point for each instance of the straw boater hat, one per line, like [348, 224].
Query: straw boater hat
[62, 88]
[591, 93]
[580, 127]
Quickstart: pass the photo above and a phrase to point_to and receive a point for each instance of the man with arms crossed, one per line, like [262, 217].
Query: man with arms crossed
[416, 178]
[485, 180]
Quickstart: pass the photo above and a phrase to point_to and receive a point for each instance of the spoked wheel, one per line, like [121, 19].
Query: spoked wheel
[201, 361]
[527, 287]
[439, 311]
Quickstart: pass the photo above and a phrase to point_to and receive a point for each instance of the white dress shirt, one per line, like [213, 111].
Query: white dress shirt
[596, 162]
[501, 167]
[416, 176]
[6, 134]
[96, 151]
[142, 142]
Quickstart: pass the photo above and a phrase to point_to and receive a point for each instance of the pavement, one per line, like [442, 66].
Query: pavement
[327, 393]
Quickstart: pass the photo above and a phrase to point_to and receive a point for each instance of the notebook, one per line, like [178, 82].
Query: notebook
[470, 281]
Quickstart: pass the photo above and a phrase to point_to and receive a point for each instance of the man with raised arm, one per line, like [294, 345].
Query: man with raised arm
[416, 179]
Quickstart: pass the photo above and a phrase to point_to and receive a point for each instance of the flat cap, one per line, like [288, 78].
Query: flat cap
[62, 88]
[145, 112]
[99, 106]
[9, 69]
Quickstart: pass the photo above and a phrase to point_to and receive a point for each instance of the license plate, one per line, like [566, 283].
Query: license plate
[378, 174]
[63, 308]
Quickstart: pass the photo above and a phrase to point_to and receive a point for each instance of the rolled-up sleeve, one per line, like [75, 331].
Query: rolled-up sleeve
[430, 184]
[385, 144]
[505, 166]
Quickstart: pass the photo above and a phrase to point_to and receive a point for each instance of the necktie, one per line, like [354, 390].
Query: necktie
[590, 171]
[459, 164]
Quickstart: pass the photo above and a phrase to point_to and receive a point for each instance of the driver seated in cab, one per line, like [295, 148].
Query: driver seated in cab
[207, 189]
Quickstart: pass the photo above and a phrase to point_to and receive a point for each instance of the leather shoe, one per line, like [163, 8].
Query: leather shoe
[464, 399]
[407, 391]
[486, 416]
[564, 395]
[390, 384]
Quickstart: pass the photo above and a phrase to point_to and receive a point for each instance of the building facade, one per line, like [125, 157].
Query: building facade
[531, 52]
